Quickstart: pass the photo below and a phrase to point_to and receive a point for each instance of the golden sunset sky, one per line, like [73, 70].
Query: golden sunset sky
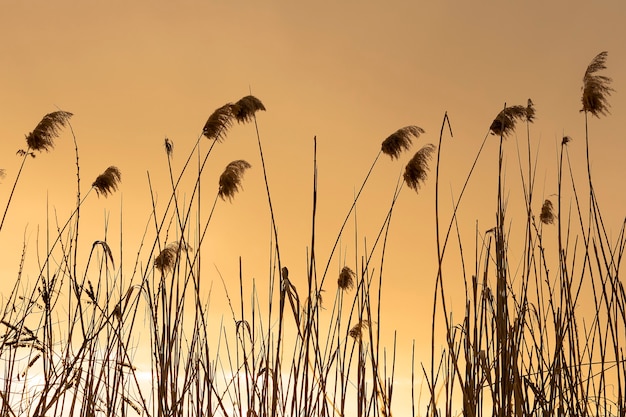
[348, 72]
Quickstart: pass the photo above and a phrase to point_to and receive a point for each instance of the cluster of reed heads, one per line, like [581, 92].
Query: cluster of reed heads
[69, 335]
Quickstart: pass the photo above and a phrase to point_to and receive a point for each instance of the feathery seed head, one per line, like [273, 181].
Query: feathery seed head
[416, 170]
[547, 213]
[504, 123]
[169, 146]
[42, 138]
[230, 180]
[245, 109]
[107, 182]
[356, 332]
[219, 122]
[400, 140]
[566, 140]
[346, 278]
[596, 88]
[167, 258]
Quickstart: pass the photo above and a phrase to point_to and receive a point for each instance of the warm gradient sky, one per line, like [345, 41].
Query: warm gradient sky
[350, 72]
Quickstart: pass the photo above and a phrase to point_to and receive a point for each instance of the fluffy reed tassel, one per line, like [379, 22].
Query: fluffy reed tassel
[245, 109]
[219, 122]
[566, 140]
[504, 123]
[356, 332]
[166, 259]
[42, 138]
[230, 180]
[400, 140]
[596, 88]
[547, 213]
[346, 278]
[169, 147]
[108, 181]
[416, 170]
[530, 111]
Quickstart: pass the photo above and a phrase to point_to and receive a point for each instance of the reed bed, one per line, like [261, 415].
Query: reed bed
[522, 347]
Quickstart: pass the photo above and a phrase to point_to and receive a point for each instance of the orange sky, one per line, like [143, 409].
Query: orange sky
[350, 73]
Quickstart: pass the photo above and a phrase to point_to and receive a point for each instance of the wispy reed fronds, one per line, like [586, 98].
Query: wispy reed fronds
[400, 140]
[230, 180]
[504, 123]
[596, 88]
[219, 122]
[547, 213]
[166, 259]
[416, 170]
[169, 147]
[107, 182]
[346, 278]
[356, 332]
[42, 137]
[566, 140]
[245, 109]
[3, 173]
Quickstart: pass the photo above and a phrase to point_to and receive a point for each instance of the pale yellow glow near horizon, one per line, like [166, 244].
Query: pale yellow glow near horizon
[349, 73]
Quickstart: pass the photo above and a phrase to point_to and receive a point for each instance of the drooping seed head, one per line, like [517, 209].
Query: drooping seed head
[416, 170]
[356, 332]
[42, 137]
[219, 122]
[230, 180]
[596, 88]
[547, 213]
[107, 182]
[504, 123]
[245, 109]
[346, 278]
[400, 140]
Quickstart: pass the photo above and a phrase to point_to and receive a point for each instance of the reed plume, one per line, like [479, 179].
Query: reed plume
[219, 122]
[42, 137]
[356, 332]
[547, 213]
[107, 182]
[169, 147]
[416, 170]
[167, 258]
[230, 180]
[566, 140]
[245, 109]
[400, 140]
[504, 123]
[596, 88]
[346, 278]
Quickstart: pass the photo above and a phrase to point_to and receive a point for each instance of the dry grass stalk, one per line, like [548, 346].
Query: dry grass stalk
[245, 109]
[346, 278]
[230, 180]
[108, 181]
[547, 213]
[42, 137]
[400, 140]
[504, 123]
[596, 88]
[219, 122]
[416, 170]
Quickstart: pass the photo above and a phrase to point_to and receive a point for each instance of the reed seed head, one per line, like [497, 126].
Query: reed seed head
[416, 170]
[219, 122]
[166, 259]
[566, 140]
[346, 278]
[245, 109]
[547, 213]
[230, 180]
[356, 332]
[42, 137]
[107, 182]
[169, 146]
[596, 88]
[504, 123]
[400, 140]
